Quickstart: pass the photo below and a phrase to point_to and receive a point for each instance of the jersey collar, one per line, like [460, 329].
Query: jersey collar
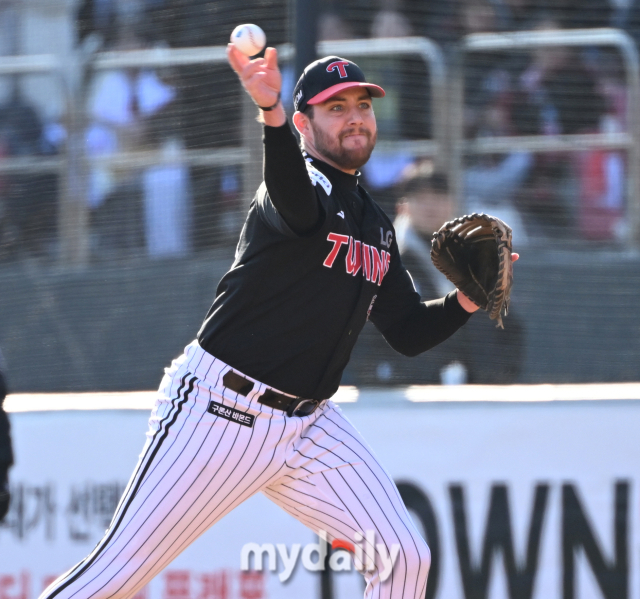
[337, 177]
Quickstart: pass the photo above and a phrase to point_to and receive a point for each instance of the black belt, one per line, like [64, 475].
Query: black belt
[293, 406]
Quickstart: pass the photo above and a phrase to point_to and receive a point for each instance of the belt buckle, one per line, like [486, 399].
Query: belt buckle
[304, 408]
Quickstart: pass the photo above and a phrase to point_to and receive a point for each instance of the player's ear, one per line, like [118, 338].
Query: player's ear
[301, 123]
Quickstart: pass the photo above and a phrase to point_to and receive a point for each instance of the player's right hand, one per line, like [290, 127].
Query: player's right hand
[260, 77]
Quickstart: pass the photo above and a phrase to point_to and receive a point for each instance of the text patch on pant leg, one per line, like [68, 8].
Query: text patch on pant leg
[218, 409]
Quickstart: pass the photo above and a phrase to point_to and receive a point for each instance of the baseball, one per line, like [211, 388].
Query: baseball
[249, 39]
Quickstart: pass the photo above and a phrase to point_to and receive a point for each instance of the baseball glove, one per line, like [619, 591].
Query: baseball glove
[474, 253]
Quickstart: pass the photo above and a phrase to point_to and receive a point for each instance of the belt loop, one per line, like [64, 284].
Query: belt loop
[235, 382]
[295, 408]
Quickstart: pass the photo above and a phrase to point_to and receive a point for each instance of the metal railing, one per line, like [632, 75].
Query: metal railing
[424, 48]
[74, 163]
[529, 40]
[448, 142]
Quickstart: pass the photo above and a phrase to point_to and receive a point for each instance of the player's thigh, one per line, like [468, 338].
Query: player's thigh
[194, 469]
[337, 485]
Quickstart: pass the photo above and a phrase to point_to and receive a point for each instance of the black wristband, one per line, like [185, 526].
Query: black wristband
[271, 107]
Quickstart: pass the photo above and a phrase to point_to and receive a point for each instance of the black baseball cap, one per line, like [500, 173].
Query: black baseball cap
[328, 76]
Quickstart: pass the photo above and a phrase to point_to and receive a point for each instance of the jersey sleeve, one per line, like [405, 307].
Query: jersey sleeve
[288, 203]
[409, 325]
[270, 215]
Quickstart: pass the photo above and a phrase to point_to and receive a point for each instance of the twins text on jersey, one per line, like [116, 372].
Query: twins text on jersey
[374, 263]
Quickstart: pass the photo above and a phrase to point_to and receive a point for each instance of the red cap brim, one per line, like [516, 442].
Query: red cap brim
[375, 90]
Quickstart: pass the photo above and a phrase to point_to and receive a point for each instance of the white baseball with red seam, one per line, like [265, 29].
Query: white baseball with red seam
[249, 39]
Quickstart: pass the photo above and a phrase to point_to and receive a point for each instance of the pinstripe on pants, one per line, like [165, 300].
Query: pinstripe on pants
[196, 467]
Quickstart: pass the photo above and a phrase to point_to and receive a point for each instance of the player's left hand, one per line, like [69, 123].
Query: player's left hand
[466, 303]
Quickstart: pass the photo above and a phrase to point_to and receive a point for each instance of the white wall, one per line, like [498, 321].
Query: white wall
[570, 449]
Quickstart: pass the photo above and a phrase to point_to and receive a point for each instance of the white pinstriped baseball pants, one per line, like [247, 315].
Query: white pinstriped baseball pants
[196, 467]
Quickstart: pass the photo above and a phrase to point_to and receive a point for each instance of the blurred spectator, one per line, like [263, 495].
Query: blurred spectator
[210, 106]
[27, 201]
[398, 76]
[353, 18]
[6, 451]
[493, 182]
[603, 174]
[513, 15]
[167, 203]
[425, 205]
[569, 14]
[477, 16]
[630, 20]
[98, 16]
[105, 17]
[576, 14]
[389, 21]
[558, 80]
[436, 20]
[406, 111]
[601, 177]
[332, 24]
[586, 188]
[131, 110]
[487, 81]
[490, 186]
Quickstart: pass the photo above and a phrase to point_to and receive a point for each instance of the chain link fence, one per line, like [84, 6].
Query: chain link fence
[120, 212]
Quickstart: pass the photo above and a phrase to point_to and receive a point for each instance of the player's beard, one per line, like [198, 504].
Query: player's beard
[346, 158]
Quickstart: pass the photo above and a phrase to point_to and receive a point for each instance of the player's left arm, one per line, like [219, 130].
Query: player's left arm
[410, 325]
[416, 329]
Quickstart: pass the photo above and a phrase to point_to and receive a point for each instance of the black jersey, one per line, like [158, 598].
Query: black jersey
[290, 309]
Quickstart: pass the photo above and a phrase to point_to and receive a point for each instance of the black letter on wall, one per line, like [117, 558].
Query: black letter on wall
[416, 501]
[613, 579]
[498, 536]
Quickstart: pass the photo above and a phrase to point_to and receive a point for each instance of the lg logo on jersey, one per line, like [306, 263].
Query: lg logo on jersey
[387, 239]
[374, 264]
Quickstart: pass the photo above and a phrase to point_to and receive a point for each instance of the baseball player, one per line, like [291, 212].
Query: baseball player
[6, 451]
[247, 407]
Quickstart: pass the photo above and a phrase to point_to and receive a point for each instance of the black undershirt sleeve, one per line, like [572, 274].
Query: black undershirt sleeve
[426, 325]
[287, 180]
[410, 325]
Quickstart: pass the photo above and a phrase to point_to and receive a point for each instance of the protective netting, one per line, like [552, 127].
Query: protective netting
[124, 184]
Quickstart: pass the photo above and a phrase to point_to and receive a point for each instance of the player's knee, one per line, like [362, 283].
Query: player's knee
[416, 556]
[425, 555]
[421, 557]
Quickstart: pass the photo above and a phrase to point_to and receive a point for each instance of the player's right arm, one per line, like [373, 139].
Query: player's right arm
[285, 173]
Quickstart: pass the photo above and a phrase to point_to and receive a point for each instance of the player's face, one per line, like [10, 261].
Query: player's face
[343, 129]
